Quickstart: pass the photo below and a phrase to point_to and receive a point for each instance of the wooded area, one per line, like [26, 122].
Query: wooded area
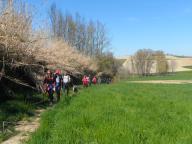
[25, 54]
[89, 37]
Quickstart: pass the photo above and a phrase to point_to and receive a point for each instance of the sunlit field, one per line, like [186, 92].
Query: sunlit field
[120, 113]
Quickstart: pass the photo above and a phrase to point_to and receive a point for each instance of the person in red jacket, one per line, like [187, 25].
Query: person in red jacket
[94, 80]
[85, 81]
[49, 85]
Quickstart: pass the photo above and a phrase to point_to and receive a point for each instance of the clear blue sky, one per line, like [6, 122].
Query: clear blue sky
[134, 24]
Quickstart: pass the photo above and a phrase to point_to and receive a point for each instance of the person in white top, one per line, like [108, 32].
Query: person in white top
[66, 81]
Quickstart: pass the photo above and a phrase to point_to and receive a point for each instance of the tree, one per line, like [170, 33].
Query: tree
[107, 63]
[101, 39]
[143, 61]
[57, 21]
[18, 48]
[87, 37]
[161, 62]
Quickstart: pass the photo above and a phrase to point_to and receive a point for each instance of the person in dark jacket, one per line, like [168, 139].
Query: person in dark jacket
[58, 84]
[49, 85]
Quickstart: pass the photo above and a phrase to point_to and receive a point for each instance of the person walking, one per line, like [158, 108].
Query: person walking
[66, 82]
[94, 80]
[99, 80]
[49, 85]
[85, 81]
[89, 80]
[58, 84]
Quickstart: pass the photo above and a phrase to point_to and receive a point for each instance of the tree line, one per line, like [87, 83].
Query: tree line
[73, 45]
[89, 37]
[146, 62]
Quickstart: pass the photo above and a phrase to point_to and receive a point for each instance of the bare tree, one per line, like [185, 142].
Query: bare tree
[143, 61]
[89, 38]
[57, 21]
[101, 39]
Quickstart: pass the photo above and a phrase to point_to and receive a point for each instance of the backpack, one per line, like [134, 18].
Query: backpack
[66, 79]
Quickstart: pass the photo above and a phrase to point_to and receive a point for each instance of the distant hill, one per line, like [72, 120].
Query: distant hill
[179, 56]
[182, 63]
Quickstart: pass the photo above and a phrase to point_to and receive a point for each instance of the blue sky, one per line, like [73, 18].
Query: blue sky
[134, 24]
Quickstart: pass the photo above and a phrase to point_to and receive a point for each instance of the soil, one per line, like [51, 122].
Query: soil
[25, 128]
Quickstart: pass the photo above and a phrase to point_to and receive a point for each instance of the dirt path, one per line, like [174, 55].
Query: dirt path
[165, 81]
[25, 128]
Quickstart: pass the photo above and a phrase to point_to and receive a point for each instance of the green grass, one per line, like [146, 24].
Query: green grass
[189, 67]
[186, 75]
[122, 113]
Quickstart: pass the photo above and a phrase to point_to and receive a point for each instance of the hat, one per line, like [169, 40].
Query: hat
[58, 71]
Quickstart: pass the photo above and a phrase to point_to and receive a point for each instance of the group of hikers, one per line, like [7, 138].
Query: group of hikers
[57, 82]
[87, 81]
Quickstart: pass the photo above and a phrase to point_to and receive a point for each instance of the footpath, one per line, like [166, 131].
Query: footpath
[25, 128]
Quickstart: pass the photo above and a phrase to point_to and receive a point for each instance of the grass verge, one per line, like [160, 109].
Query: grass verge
[120, 113]
[12, 111]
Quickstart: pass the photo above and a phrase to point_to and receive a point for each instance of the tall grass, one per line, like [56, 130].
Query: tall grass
[121, 113]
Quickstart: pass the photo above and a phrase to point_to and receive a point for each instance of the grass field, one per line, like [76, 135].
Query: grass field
[122, 113]
[189, 67]
[186, 75]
